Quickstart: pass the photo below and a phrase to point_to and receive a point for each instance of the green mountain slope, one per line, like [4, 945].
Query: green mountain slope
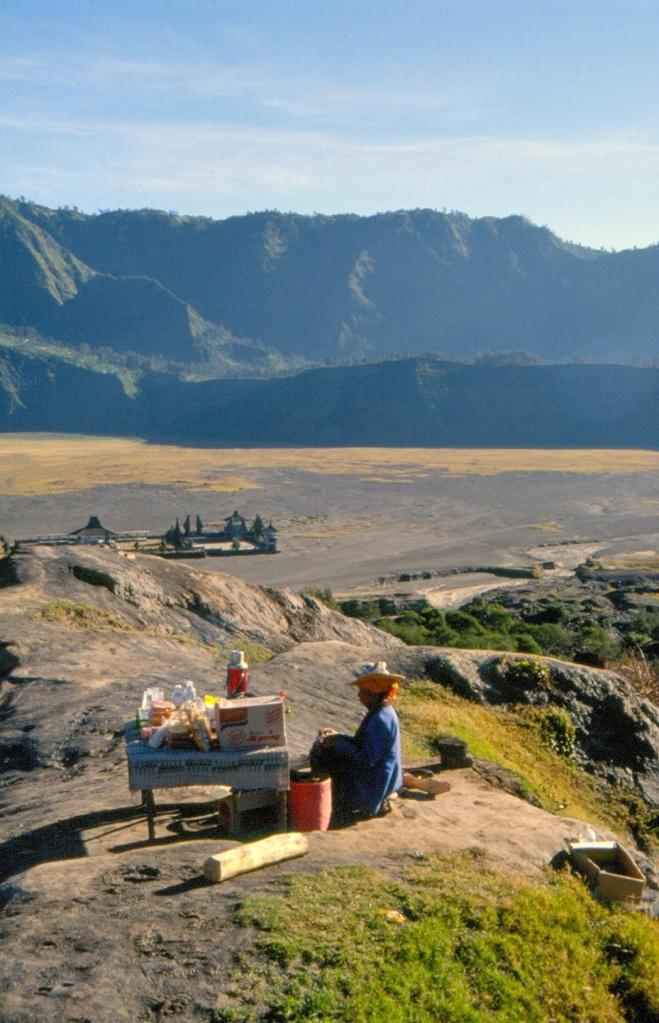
[338, 287]
[412, 402]
[37, 274]
[44, 287]
[137, 314]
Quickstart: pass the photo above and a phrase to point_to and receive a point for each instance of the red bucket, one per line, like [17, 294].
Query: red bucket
[310, 805]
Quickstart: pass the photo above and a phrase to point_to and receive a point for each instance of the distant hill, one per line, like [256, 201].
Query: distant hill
[318, 288]
[417, 401]
[185, 328]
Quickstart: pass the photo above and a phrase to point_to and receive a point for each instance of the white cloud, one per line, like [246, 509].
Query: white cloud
[221, 169]
[314, 96]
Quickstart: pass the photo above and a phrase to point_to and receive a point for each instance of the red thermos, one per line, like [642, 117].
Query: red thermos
[237, 674]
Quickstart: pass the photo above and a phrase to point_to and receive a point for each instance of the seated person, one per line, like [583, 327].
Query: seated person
[365, 768]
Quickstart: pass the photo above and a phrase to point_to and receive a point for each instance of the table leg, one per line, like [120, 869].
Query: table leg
[149, 805]
[234, 814]
[282, 810]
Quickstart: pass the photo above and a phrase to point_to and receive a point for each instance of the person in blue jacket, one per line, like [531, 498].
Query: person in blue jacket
[365, 768]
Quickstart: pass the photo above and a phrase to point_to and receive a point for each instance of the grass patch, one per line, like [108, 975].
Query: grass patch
[455, 941]
[82, 616]
[638, 561]
[255, 653]
[41, 463]
[518, 741]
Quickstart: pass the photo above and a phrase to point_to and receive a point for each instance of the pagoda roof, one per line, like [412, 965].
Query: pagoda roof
[93, 527]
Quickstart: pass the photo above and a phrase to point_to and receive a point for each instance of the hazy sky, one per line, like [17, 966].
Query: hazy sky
[543, 107]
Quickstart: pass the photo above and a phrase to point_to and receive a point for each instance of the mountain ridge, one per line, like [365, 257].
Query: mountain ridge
[418, 402]
[277, 328]
[342, 287]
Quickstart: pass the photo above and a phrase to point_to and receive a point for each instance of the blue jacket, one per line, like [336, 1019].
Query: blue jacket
[368, 765]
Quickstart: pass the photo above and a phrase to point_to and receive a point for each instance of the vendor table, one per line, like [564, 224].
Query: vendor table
[250, 770]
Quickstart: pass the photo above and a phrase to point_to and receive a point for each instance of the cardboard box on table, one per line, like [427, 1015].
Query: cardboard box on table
[611, 872]
[250, 722]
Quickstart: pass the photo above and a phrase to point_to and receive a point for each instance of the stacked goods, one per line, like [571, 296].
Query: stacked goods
[186, 725]
[159, 712]
[191, 722]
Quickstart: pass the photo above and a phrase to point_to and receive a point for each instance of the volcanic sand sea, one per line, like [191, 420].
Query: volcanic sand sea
[346, 516]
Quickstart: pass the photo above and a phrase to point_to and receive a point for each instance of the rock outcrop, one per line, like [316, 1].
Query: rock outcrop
[617, 731]
[85, 898]
[85, 630]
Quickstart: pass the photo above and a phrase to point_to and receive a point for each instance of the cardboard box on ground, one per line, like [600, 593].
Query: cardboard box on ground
[611, 871]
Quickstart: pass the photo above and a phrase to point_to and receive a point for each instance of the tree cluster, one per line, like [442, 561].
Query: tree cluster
[550, 627]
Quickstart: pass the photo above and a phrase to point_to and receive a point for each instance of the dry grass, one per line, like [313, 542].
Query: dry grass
[54, 463]
[505, 738]
[638, 561]
[643, 676]
[82, 616]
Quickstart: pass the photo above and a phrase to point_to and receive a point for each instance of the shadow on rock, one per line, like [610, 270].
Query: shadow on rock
[8, 659]
[63, 840]
[59, 841]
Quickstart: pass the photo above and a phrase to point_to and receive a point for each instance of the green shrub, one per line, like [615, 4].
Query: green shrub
[592, 639]
[553, 639]
[366, 610]
[557, 730]
[462, 621]
[325, 595]
[527, 674]
[547, 627]
[527, 644]
[413, 635]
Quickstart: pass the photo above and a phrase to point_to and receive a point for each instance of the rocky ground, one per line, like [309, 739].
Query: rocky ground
[97, 923]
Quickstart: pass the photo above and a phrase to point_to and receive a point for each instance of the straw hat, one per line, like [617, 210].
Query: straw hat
[376, 671]
[237, 659]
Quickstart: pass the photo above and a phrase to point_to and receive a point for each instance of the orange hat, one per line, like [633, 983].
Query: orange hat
[376, 678]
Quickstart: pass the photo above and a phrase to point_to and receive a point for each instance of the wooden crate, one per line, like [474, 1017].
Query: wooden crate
[250, 810]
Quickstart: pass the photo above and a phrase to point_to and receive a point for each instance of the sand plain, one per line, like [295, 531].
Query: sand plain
[347, 517]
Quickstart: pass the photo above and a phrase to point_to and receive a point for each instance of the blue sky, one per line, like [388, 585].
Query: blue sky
[542, 107]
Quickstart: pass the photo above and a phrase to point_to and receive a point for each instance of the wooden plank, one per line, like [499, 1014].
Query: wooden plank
[254, 855]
